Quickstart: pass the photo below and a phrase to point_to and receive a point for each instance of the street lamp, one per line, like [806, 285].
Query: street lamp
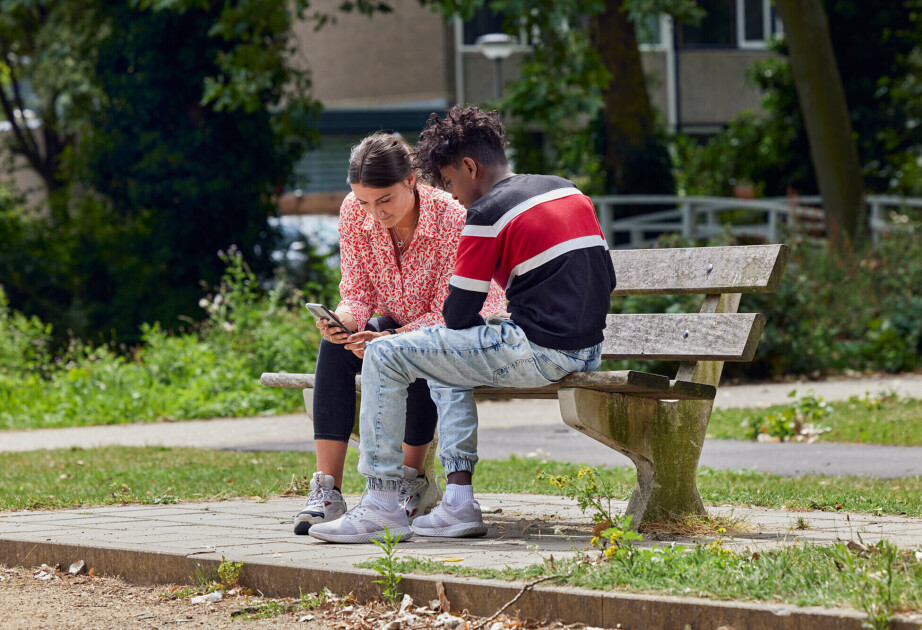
[496, 47]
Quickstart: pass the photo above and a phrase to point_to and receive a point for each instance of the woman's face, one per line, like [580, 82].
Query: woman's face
[389, 206]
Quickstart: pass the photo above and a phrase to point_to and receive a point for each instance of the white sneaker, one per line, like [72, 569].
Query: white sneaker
[364, 523]
[462, 521]
[417, 495]
[324, 503]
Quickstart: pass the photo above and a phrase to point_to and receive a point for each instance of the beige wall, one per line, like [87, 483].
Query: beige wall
[479, 82]
[713, 86]
[391, 58]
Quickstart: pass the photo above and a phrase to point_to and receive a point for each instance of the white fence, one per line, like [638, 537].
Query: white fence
[766, 220]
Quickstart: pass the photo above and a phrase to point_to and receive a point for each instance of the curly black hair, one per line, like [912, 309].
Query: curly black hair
[464, 132]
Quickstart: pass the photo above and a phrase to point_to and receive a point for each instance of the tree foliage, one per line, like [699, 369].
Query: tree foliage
[877, 49]
[566, 92]
[189, 116]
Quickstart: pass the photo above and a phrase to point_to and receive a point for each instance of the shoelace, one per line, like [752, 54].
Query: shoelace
[317, 496]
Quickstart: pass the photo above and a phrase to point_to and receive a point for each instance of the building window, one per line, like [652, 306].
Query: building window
[485, 21]
[324, 169]
[756, 22]
[745, 24]
[650, 32]
[716, 30]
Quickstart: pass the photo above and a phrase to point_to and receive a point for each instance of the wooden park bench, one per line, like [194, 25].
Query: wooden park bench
[658, 422]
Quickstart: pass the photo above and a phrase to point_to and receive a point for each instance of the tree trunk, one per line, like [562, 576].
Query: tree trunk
[829, 127]
[635, 160]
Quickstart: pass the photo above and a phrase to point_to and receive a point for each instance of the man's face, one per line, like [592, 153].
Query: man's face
[461, 181]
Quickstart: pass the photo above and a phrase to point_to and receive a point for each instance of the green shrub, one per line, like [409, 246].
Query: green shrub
[830, 314]
[24, 341]
[210, 370]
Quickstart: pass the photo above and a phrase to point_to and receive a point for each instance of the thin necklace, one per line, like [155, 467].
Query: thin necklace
[409, 232]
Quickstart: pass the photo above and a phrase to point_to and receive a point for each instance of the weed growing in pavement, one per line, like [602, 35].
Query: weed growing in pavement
[802, 523]
[386, 566]
[229, 573]
[591, 491]
[205, 580]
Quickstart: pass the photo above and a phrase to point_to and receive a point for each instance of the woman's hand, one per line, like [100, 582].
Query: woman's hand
[358, 341]
[333, 333]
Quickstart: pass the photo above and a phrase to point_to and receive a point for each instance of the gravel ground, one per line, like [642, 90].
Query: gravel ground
[44, 597]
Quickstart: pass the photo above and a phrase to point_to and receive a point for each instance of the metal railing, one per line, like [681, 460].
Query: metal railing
[766, 220]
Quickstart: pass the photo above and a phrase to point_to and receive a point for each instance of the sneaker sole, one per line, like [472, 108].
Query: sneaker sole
[360, 538]
[303, 523]
[302, 528]
[462, 530]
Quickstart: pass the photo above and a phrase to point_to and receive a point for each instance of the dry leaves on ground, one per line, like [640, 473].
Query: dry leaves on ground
[49, 597]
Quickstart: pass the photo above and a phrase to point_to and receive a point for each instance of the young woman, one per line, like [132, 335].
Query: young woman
[398, 242]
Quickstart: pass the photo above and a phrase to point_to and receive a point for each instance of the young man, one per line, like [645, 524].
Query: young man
[539, 237]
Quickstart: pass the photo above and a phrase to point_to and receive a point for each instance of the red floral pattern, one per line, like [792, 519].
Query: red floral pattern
[412, 293]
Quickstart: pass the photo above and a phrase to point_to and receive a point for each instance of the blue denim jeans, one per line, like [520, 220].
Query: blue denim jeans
[454, 362]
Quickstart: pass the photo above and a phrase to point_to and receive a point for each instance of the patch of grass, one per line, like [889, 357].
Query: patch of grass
[75, 477]
[882, 582]
[883, 419]
[78, 477]
[902, 495]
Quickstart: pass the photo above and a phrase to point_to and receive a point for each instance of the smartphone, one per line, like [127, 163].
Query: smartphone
[322, 312]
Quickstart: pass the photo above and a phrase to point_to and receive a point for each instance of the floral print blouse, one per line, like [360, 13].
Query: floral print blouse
[412, 292]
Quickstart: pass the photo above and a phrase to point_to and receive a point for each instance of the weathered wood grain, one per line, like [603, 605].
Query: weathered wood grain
[672, 271]
[624, 381]
[683, 336]
[286, 380]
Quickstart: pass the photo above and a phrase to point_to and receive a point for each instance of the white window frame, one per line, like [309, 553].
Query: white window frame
[769, 26]
[665, 36]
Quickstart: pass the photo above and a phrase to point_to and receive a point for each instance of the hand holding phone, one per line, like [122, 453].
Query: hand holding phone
[322, 312]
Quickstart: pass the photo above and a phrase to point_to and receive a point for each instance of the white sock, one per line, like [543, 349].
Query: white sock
[456, 494]
[383, 499]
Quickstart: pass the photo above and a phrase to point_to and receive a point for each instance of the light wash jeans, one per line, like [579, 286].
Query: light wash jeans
[453, 361]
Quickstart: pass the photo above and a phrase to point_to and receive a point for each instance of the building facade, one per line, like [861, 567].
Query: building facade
[390, 71]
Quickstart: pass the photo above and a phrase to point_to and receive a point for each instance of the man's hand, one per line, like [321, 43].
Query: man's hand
[358, 341]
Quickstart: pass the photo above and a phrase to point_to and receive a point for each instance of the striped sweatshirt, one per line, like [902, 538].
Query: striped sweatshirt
[538, 236]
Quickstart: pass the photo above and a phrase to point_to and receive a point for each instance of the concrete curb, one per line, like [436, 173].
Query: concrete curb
[479, 597]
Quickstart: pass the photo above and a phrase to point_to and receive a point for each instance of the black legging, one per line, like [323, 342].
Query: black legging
[334, 394]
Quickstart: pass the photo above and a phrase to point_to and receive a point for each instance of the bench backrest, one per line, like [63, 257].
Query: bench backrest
[717, 332]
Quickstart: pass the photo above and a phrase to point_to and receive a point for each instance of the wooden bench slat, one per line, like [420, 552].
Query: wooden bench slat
[287, 380]
[662, 336]
[624, 381]
[673, 271]
[684, 390]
